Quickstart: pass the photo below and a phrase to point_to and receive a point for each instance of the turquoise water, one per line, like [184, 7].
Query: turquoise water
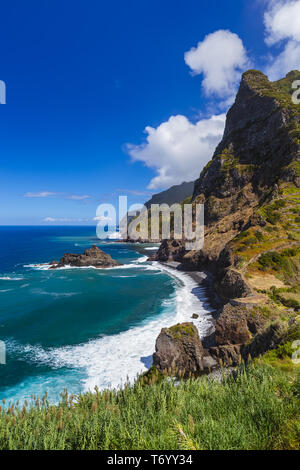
[77, 328]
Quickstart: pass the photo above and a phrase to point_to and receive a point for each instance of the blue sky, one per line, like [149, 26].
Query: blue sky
[85, 79]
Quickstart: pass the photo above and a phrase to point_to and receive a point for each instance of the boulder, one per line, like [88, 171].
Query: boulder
[227, 355]
[179, 350]
[237, 325]
[270, 338]
[233, 285]
[170, 250]
[232, 327]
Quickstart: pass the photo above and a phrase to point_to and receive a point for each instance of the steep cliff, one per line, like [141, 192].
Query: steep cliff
[255, 171]
[251, 193]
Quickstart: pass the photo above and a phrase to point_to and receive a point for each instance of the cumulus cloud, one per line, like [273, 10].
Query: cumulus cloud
[287, 60]
[177, 149]
[282, 24]
[282, 21]
[221, 57]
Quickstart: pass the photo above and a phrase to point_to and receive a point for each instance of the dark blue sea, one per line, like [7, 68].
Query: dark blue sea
[75, 328]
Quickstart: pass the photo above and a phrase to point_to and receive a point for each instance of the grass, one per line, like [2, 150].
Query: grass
[280, 90]
[283, 263]
[182, 329]
[256, 409]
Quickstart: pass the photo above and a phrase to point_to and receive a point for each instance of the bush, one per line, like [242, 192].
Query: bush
[272, 217]
[259, 235]
[249, 410]
[279, 261]
[290, 303]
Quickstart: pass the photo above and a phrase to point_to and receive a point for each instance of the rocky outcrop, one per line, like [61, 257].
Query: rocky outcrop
[237, 324]
[170, 250]
[233, 285]
[268, 339]
[227, 355]
[91, 257]
[234, 354]
[240, 333]
[179, 350]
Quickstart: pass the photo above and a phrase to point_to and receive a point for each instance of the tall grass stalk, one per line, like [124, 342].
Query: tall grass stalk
[256, 409]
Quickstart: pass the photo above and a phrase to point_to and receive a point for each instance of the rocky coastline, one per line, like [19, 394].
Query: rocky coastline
[251, 192]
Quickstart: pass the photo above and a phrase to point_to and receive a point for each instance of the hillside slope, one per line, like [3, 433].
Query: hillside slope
[173, 195]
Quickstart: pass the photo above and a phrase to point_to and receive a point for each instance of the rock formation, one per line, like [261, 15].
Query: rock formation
[170, 250]
[91, 257]
[251, 194]
[179, 350]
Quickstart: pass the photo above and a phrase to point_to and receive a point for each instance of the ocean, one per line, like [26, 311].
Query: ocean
[77, 328]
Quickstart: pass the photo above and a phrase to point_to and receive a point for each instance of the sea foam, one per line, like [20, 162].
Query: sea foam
[110, 361]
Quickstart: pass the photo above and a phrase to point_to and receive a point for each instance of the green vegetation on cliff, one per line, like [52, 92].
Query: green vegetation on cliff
[182, 329]
[280, 90]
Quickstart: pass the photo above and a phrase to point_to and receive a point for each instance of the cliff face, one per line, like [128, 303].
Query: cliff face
[256, 161]
[251, 193]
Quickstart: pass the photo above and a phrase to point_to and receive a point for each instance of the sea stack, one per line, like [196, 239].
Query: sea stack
[91, 257]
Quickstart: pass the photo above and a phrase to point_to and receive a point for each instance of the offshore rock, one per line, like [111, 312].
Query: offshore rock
[91, 257]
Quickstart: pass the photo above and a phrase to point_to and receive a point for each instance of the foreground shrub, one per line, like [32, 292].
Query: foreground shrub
[251, 410]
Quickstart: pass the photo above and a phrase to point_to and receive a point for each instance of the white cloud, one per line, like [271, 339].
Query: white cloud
[102, 218]
[221, 57]
[134, 192]
[178, 149]
[76, 197]
[287, 60]
[41, 194]
[282, 23]
[64, 220]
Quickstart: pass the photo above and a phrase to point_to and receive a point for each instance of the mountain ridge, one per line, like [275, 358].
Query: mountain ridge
[175, 194]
